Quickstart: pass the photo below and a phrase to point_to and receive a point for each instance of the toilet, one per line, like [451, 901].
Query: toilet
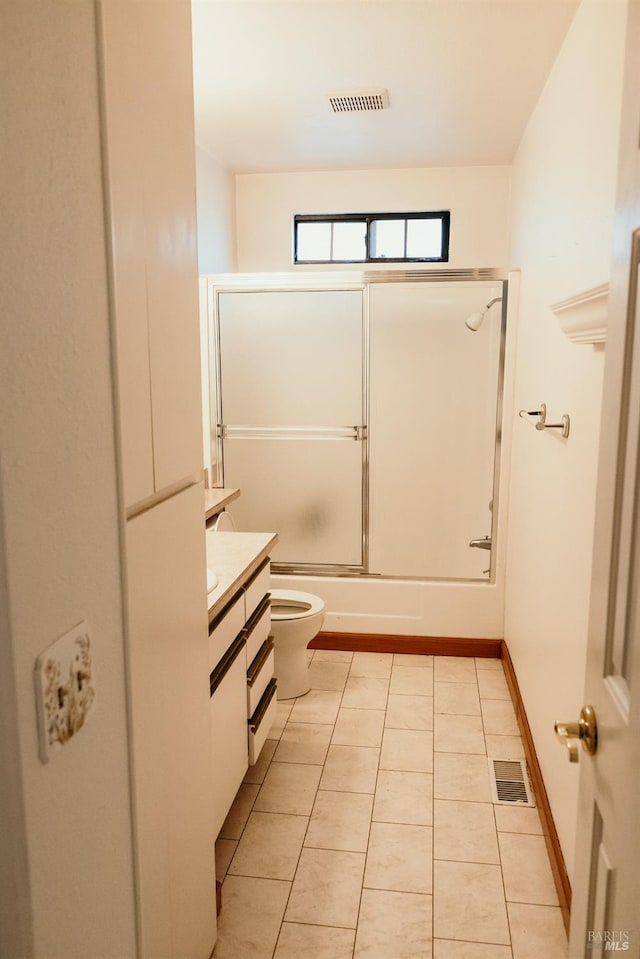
[296, 619]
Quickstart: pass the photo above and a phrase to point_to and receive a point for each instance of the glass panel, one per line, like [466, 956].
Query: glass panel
[387, 238]
[349, 240]
[432, 428]
[308, 491]
[291, 358]
[424, 238]
[313, 241]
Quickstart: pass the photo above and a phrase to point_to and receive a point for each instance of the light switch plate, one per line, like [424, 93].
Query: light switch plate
[64, 689]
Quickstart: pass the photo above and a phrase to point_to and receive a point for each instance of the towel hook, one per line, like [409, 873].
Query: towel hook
[564, 424]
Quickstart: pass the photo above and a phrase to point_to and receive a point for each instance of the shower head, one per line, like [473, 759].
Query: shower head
[474, 322]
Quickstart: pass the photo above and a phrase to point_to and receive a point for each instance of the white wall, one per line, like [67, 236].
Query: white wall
[216, 196]
[563, 200]
[478, 198]
[215, 189]
[69, 852]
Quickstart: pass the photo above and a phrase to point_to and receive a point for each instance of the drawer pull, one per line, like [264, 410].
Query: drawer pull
[263, 705]
[259, 661]
[217, 619]
[226, 663]
[258, 613]
[259, 570]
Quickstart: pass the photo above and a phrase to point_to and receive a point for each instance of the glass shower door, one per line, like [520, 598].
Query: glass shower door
[433, 407]
[291, 419]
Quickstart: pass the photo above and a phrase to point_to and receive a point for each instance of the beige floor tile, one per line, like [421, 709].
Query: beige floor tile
[225, 848]
[371, 665]
[526, 869]
[517, 819]
[283, 711]
[537, 931]
[239, 813]
[289, 788]
[464, 831]
[403, 797]
[365, 692]
[412, 659]
[304, 743]
[504, 747]
[262, 899]
[499, 717]
[461, 777]
[316, 942]
[448, 949]
[409, 712]
[328, 675]
[270, 846]
[327, 887]
[458, 734]
[485, 662]
[318, 706]
[460, 699]
[393, 925]
[493, 685]
[454, 669]
[257, 772]
[410, 750]
[399, 858]
[359, 727]
[412, 680]
[468, 903]
[340, 821]
[351, 769]
[332, 656]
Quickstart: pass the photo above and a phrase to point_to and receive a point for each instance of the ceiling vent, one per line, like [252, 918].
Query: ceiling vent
[357, 101]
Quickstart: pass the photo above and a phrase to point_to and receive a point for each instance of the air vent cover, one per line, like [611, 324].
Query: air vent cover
[357, 101]
[510, 784]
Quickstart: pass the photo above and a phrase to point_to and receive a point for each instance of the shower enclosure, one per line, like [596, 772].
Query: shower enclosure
[360, 417]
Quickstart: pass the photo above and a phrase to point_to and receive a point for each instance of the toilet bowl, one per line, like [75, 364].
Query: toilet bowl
[296, 619]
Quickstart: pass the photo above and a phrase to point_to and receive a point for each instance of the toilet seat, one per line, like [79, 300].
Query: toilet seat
[290, 604]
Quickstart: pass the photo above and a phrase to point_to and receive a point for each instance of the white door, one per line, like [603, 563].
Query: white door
[606, 885]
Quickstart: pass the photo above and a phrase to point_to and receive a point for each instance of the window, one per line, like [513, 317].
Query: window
[372, 238]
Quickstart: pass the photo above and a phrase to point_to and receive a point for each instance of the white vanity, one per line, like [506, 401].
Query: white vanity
[241, 681]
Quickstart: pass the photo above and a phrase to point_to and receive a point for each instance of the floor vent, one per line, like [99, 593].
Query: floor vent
[510, 785]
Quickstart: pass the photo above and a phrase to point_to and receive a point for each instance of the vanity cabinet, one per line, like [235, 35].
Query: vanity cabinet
[241, 682]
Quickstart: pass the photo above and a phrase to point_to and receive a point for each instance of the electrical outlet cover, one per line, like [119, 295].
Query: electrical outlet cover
[64, 689]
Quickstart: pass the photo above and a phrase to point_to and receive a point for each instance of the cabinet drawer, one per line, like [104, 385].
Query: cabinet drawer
[256, 588]
[262, 721]
[228, 708]
[259, 675]
[224, 629]
[258, 628]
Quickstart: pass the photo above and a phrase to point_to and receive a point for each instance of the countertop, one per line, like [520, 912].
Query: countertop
[216, 500]
[233, 557]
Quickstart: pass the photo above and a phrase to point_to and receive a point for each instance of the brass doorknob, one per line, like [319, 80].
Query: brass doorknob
[584, 731]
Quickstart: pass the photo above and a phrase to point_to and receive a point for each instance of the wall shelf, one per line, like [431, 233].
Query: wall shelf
[583, 317]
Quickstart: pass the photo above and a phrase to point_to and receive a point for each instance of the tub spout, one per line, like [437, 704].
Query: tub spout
[484, 543]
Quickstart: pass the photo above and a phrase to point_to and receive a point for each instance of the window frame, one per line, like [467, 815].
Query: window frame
[443, 215]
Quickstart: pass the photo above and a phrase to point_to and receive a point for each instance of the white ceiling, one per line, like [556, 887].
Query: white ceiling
[463, 77]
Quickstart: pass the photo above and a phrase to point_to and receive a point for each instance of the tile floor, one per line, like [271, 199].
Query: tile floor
[366, 829]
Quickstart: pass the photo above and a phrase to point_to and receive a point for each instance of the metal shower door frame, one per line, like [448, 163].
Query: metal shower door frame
[357, 281]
